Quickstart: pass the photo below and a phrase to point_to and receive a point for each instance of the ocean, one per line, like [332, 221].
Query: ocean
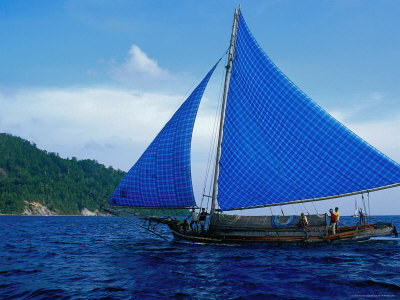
[108, 257]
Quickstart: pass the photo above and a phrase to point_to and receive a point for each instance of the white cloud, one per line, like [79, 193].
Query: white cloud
[140, 70]
[138, 60]
[382, 134]
[358, 106]
[74, 122]
[113, 126]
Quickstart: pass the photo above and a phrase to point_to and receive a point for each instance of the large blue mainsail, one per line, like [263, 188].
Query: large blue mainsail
[162, 175]
[279, 146]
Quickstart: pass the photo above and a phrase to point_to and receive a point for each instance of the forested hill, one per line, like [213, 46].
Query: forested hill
[33, 181]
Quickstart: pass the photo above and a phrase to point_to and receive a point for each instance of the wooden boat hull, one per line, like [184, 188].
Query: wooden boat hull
[361, 234]
[252, 232]
[234, 229]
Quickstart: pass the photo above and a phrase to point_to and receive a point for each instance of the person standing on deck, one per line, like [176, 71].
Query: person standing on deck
[332, 224]
[195, 219]
[337, 217]
[202, 219]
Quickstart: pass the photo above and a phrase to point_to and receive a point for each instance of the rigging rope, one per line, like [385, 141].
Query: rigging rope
[305, 208]
[141, 226]
[295, 210]
[316, 211]
[369, 208]
[213, 142]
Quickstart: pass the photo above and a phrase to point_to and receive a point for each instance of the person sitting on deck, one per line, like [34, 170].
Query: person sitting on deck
[337, 217]
[332, 224]
[183, 226]
[202, 219]
[303, 221]
[195, 219]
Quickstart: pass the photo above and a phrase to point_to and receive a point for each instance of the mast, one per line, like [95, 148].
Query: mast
[222, 118]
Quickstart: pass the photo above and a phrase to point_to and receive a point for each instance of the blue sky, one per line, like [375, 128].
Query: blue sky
[98, 79]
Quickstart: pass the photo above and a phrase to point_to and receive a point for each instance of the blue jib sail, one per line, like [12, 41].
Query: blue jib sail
[162, 175]
[279, 146]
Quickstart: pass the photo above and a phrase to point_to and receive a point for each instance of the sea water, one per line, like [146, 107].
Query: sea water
[108, 257]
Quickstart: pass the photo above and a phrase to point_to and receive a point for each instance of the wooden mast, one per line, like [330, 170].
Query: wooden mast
[222, 118]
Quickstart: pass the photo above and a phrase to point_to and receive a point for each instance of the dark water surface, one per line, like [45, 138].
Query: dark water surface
[107, 257]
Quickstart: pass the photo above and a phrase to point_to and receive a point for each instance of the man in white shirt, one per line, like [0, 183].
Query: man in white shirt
[195, 219]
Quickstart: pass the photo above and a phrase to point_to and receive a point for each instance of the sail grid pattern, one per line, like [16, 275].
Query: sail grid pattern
[279, 146]
[162, 175]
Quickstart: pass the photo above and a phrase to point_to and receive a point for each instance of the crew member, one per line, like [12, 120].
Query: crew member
[332, 224]
[337, 217]
[195, 219]
[202, 219]
[303, 220]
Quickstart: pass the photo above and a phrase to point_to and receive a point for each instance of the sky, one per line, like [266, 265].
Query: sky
[97, 79]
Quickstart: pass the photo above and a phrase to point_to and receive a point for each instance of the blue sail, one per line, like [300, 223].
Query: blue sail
[162, 175]
[279, 146]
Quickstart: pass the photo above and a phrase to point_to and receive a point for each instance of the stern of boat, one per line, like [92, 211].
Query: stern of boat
[362, 232]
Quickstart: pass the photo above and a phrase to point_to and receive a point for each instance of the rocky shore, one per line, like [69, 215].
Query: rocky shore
[38, 209]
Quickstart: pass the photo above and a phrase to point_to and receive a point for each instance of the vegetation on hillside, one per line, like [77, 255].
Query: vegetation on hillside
[65, 186]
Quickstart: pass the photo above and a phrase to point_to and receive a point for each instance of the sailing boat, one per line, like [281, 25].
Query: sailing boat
[275, 147]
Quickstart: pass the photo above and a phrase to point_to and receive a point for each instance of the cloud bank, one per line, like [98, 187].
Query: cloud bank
[98, 123]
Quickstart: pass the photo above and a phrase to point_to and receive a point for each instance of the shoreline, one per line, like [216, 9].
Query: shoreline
[15, 215]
